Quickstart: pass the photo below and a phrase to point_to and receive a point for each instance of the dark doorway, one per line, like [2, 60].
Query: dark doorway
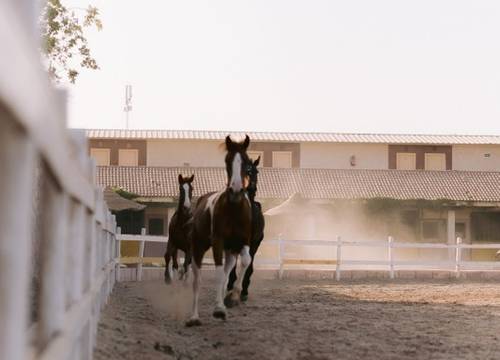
[155, 226]
[130, 222]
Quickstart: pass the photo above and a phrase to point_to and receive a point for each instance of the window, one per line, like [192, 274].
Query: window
[435, 161]
[282, 159]
[485, 226]
[255, 154]
[128, 157]
[101, 156]
[406, 161]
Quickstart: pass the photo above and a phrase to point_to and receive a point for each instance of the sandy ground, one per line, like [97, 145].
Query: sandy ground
[298, 319]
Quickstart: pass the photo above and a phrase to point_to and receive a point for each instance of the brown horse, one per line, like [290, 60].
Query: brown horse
[258, 224]
[178, 229]
[223, 220]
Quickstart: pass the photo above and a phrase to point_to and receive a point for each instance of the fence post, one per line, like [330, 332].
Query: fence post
[52, 302]
[458, 256]
[280, 257]
[390, 241]
[339, 258]
[17, 171]
[141, 255]
[118, 253]
[75, 253]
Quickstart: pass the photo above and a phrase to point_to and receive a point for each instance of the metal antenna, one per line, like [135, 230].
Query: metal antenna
[128, 102]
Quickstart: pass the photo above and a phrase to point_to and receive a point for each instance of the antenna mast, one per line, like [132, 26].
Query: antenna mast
[128, 103]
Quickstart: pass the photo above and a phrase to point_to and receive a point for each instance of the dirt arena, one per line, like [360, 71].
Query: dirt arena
[298, 319]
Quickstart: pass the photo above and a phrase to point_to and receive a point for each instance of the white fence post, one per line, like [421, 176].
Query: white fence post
[141, 255]
[52, 292]
[280, 257]
[17, 171]
[118, 253]
[390, 241]
[339, 258]
[75, 253]
[458, 257]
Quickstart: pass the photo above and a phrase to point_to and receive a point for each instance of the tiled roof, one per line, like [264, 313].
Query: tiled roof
[296, 137]
[160, 182]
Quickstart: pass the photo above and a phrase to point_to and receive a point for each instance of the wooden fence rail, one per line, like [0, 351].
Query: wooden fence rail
[64, 243]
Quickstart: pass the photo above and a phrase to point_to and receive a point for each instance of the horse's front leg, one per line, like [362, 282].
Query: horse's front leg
[246, 282]
[196, 265]
[167, 257]
[249, 272]
[244, 263]
[232, 279]
[185, 267]
[221, 274]
[175, 262]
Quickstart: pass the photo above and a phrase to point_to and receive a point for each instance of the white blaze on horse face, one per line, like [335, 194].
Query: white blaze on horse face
[187, 201]
[236, 181]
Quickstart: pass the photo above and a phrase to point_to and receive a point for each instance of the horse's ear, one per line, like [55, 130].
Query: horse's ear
[180, 179]
[190, 180]
[256, 162]
[229, 142]
[246, 142]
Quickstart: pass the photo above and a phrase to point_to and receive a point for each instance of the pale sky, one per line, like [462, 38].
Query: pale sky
[426, 66]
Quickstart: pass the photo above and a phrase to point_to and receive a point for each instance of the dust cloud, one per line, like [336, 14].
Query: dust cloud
[173, 300]
[301, 219]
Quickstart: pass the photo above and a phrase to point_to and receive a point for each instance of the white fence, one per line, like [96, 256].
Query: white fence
[391, 263]
[142, 239]
[339, 262]
[70, 245]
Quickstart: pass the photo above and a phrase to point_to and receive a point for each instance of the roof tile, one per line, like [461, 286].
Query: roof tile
[297, 137]
[315, 183]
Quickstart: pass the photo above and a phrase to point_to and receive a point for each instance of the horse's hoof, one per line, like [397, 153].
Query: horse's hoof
[244, 297]
[219, 314]
[229, 301]
[168, 281]
[193, 322]
[181, 274]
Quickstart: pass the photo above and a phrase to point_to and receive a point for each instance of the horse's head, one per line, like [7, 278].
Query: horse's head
[185, 191]
[236, 167]
[252, 172]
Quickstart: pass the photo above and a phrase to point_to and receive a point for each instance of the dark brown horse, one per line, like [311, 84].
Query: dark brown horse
[257, 232]
[178, 229]
[223, 220]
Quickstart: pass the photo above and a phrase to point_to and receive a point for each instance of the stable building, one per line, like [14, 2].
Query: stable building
[429, 188]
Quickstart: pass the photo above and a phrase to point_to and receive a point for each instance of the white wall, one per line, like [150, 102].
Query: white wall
[472, 157]
[178, 152]
[337, 156]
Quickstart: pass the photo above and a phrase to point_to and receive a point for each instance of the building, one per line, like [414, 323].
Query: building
[428, 188]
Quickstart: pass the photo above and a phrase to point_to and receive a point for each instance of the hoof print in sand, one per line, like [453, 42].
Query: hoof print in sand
[167, 349]
[219, 314]
[193, 322]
